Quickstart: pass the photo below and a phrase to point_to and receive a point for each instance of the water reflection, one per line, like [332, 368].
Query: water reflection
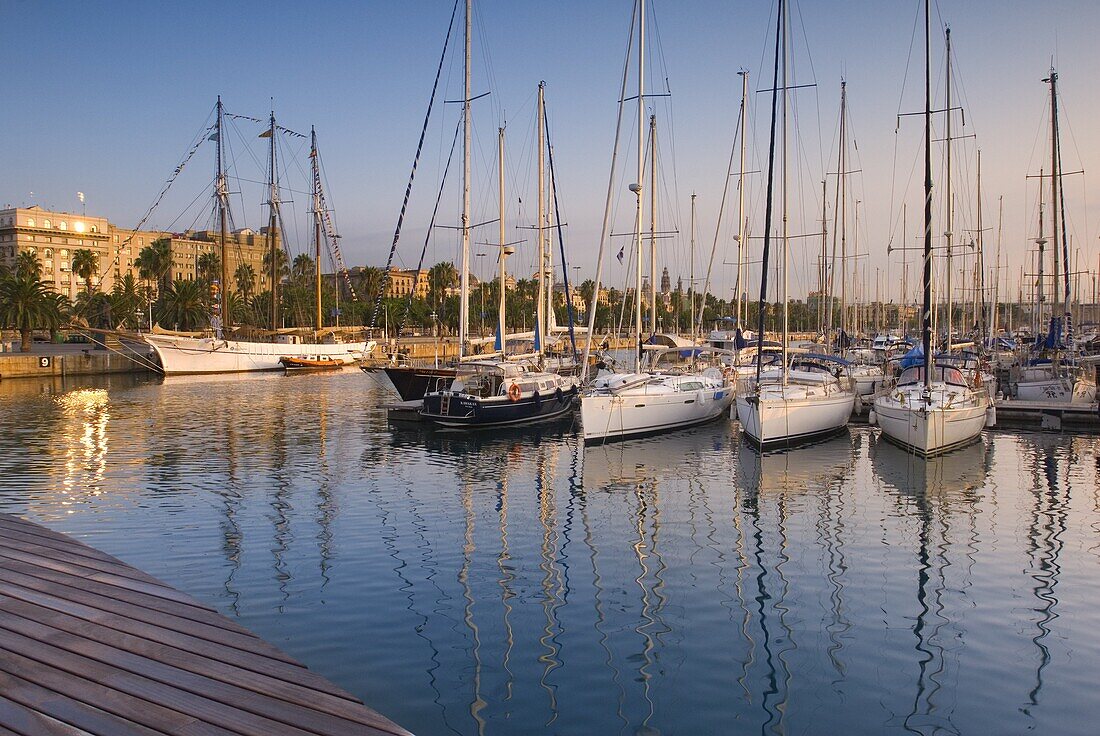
[517, 581]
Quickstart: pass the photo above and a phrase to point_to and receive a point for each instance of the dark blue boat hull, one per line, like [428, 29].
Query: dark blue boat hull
[459, 410]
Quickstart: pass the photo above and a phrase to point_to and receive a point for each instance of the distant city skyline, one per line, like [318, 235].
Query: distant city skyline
[106, 103]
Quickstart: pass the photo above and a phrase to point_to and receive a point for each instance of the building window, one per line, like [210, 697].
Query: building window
[47, 253]
[45, 223]
[95, 228]
[62, 225]
[47, 265]
[64, 251]
[116, 238]
[30, 222]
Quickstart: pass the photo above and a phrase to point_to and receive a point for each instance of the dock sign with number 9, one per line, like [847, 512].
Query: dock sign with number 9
[45, 361]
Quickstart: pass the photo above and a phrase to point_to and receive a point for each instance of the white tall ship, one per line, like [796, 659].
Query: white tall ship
[180, 354]
[641, 402]
[933, 408]
[805, 396]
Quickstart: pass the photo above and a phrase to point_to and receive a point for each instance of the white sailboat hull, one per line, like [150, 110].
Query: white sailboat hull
[637, 412]
[1061, 390]
[770, 421]
[189, 355]
[934, 430]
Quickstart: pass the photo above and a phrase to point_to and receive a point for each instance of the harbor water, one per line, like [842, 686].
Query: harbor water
[516, 582]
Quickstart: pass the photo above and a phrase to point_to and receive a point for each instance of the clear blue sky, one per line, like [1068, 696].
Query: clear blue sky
[104, 98]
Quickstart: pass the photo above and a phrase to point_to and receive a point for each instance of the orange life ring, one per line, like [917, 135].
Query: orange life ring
[513, 392]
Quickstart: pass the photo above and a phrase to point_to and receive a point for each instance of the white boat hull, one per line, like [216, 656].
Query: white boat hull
[932, 431]
[189, 355]
[636, 413]
[1059, 390]
[775, 421]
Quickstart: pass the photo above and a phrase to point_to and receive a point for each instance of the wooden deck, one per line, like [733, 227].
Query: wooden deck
[90, 645]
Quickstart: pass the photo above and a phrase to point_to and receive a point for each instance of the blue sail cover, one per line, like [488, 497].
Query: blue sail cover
[914, 357]
[739, 341]
[538, 334]
[843, 341]
[1053, 338]
[498, 344]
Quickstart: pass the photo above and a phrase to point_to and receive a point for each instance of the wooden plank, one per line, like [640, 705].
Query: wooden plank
[90, 645]
[79, 565]
[247, 660]
[195, 613]
[26, 721]
[59, 707]
[74, 653]
[343, 706]
[128, 611]
[158, 702]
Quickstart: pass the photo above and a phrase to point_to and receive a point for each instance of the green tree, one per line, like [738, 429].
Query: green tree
[154, 263]
[302, 268]
[281, 269]
[441, 277]
[208, 268]
[184, 305]
[27, 264]
[28, 304]
[85, 264]
[245, 277]
[126, 302]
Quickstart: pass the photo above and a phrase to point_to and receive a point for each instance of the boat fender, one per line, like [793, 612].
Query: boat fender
[991, 416]
[559, 396]
[872, 418]
[513, 392]
[538, 399]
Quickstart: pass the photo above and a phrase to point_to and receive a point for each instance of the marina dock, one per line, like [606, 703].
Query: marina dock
[90, 645]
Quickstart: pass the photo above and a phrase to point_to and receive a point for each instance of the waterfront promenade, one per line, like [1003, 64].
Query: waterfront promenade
[90, 645]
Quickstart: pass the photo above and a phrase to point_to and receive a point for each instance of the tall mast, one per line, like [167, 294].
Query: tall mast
[502, 276]
[762, 304]
[1057, 196]
[905, 267]
[948, 203]
[540, 305]
[652, 224]
[691, 271]
[317, 222]
[786, 249]
[1041, 241]
[464, 276]
[637, 188]
[272, 225]
[741, 306]
[843, 208]
[222, 194]
[927, 278]
[823, 267]
[979, 277]
[997, 268]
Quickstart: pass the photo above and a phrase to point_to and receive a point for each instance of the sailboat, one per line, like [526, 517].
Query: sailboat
[806, 396]
[219, 353]
[1053, 374]
[622, 405]
[866, 368]
[933, 408]
[496, 392]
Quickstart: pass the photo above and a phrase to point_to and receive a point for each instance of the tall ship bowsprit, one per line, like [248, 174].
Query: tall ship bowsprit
[221, 351]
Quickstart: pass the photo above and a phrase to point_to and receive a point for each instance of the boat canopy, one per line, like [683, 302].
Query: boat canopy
[947, 373]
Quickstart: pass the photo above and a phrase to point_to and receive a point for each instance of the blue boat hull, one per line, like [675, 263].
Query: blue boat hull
[460, 410]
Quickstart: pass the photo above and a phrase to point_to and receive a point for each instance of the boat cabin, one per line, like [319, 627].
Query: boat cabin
[945, 373]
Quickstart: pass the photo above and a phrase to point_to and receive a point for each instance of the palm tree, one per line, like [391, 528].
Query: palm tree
[281, 270]
[154, 263]
[85, 264]
[208, 268]
[368, 282]
[245, 276]
[28, 304]
[441, 277]
[302, 267]
[184, 305]
[126, 301]
[27, 264]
